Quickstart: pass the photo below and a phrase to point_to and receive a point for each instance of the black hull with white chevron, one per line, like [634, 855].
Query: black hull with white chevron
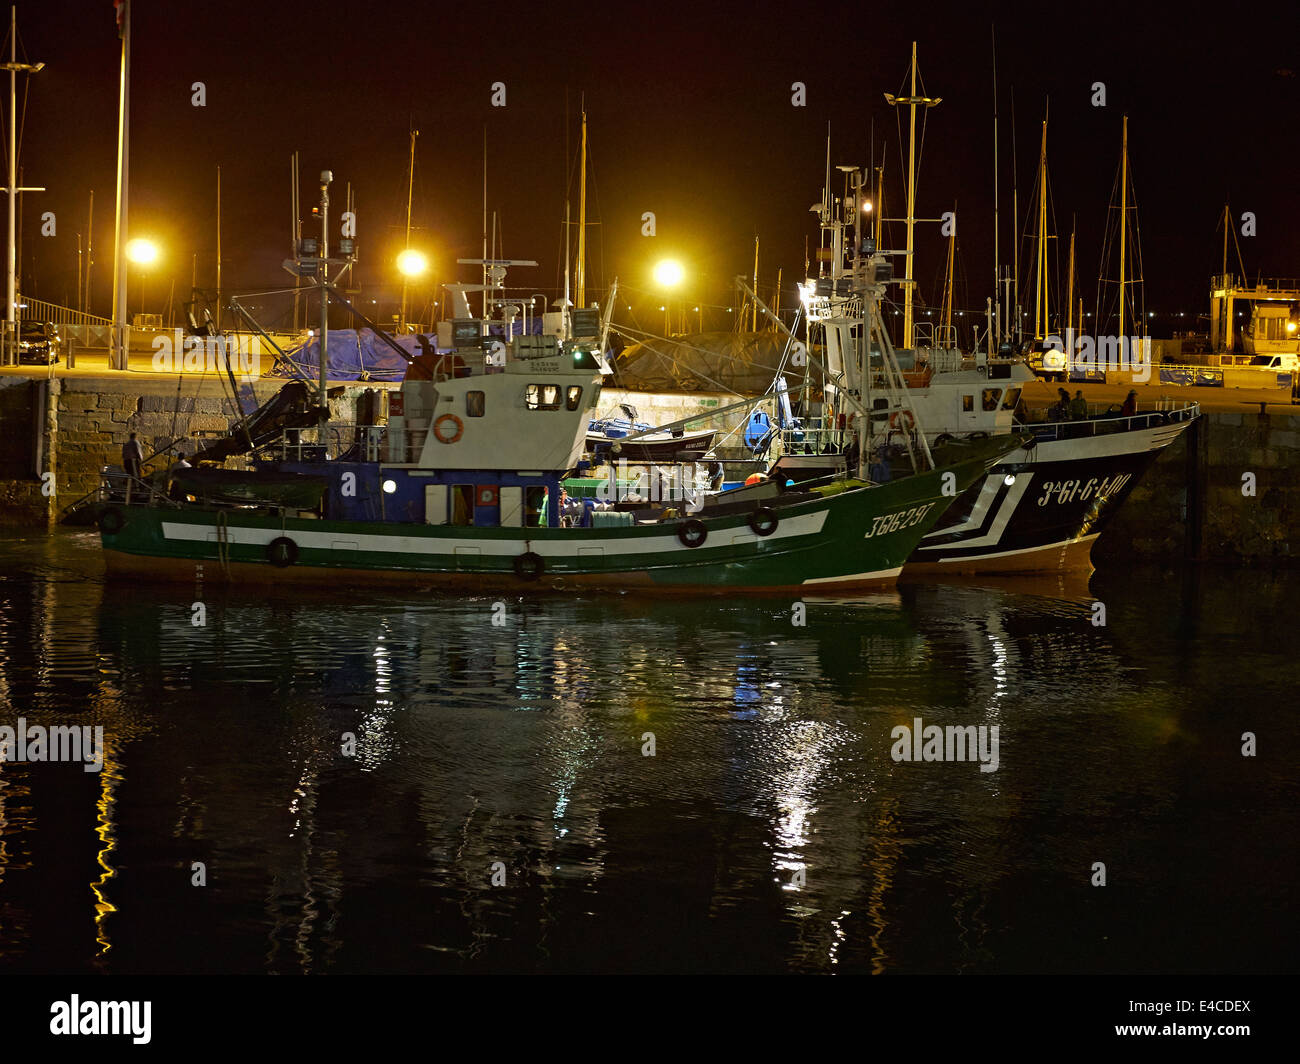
[1042, 507]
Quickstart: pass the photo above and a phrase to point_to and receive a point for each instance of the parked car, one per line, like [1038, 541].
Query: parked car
[39, 343]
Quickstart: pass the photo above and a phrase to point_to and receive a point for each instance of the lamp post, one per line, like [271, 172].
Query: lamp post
[143, 253]
[14, 67]
[668, 274]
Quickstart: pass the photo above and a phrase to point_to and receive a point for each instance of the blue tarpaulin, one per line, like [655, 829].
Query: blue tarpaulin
[353, 351]
[350, 353]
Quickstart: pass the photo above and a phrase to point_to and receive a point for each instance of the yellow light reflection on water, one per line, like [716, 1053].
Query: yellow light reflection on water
[109, 775]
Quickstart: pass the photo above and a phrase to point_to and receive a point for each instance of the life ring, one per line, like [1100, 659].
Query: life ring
[282, 552]
[903, 418]
[459, 425]
[763, 521]
[111, 521]
[529, 566]
[692, 533]
[487, 495]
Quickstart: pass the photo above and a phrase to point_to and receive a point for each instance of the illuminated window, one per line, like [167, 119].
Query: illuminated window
[573, 397]
[1010, 400]
[542, 397]
[991, 397]
[474, 404]
[968, 404]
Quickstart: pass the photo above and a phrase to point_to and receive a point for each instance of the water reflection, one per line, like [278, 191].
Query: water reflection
[770, 830]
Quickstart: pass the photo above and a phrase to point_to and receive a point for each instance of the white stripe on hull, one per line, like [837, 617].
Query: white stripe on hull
[855, 578]
[789, 528]
[981, 558]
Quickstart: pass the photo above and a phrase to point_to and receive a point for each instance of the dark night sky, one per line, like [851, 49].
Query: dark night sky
[689, 115]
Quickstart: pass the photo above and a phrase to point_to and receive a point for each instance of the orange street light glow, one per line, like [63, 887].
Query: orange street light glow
[669, 273]
[142, 252]
[412, 263]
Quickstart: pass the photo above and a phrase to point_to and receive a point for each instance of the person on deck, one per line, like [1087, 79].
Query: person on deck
[1059, 410]
[1130, 405]
[1078, 407]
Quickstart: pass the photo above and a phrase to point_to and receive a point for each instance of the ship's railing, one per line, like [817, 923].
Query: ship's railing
[120, 488]
[342, 440]
[1103, 422]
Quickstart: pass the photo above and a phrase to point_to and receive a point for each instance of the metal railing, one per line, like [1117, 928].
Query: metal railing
[40, 310]
[1166, 412]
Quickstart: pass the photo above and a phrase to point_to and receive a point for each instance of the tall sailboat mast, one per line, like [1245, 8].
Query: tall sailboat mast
[1123, 219]
[1041, 323]
[581, 271]
[911, 101]
[1069, 296]
[946, 313]
[997, 259]
[410, 190]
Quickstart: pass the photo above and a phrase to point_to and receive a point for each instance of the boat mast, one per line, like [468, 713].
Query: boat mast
[754, 324]
[1069, 297]
[485, 228]
[324, 272]
[1015, 226]
[880, 198]
[1123, 220]
[410, 189]
[947, 288]
[911, 101]
[567, 223]
[582, 215]
[997, 267]
[1040, 289]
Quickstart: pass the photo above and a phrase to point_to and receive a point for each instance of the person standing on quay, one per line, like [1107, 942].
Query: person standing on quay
[1078, 407]
[132, 457]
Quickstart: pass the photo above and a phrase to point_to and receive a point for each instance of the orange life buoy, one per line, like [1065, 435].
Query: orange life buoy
[487, 495]
[437, 428]
[904, 418]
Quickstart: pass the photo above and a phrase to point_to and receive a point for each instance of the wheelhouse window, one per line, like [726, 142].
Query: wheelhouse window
[1010, 400]
[542, 397]
[991, 397]
[968, 404]
[475, 403]
[573, 397]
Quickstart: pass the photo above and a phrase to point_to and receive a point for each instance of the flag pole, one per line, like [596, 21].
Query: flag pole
[121, 335]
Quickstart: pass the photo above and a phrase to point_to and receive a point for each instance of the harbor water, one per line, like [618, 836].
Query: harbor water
[333, 782]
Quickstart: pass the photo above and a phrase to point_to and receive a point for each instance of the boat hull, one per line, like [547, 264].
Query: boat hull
[844, 541]
[1040, 509]
[657, 448]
